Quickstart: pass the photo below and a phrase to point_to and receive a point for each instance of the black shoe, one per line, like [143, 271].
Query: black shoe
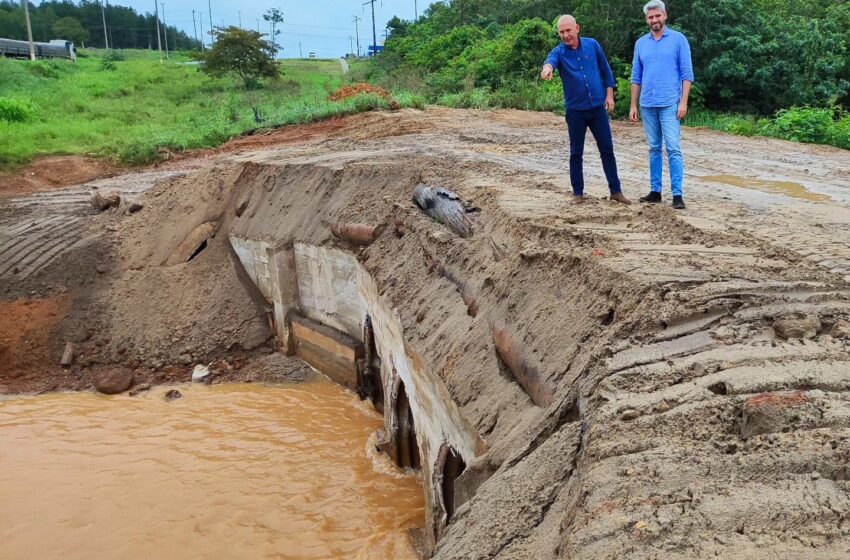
[678, 203]
[653, 197]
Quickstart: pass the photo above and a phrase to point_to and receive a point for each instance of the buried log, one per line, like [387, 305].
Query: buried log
[445, 207]
[358, 234]
[525, 374]
[466, 293]
[192, 245]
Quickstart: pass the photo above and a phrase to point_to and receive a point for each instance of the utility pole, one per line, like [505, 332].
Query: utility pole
[158, 42]
[350, 44]
[415, 11]
[258, 25]
[357, 32]
[201, 21]
[164, 28]
[374, 35]
[212, 36]
[103, 15]
[29, 28]
[240, 18]
[300, 54]
[194, 27]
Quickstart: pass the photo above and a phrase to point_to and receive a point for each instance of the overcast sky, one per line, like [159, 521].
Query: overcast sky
[321, 26]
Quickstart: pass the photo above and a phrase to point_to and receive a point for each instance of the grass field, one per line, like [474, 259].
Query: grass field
[130, 109]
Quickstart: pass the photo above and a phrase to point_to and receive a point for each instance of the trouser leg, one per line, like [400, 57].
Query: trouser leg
[672, 132]
[577, 130]
[652, 129]
[600, 127]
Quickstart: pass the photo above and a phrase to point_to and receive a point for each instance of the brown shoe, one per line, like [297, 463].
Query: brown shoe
[578, 199]
[621, 198]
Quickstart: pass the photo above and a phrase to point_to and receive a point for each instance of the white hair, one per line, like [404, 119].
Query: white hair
[654, 5]
[568, 18]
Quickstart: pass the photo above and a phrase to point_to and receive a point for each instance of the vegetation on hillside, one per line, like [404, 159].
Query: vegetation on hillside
[773, 67]
[82, 23]
[128, 106]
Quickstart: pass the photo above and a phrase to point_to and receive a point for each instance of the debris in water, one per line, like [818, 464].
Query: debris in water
[199, 373]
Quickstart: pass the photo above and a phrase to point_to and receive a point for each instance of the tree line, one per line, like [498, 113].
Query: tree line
[82, 23]
[753, 56]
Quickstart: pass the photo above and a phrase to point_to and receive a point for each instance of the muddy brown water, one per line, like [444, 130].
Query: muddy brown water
[787, 188]
[227, 471]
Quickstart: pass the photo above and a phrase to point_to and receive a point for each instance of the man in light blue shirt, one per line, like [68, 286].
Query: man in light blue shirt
[662, 75]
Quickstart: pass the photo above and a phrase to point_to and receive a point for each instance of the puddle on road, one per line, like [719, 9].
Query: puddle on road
[227, 471]
[787, 188]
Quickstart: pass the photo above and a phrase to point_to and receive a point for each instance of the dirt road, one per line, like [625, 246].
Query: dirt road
[697, 361]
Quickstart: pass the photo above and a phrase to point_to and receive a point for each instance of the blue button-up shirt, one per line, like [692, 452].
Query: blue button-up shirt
[584, 74]
[659, 68]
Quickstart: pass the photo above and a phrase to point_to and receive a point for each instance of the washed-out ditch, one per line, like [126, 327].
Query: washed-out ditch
[521, 378]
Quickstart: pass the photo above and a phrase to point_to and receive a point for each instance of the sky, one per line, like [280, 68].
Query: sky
[318, 26]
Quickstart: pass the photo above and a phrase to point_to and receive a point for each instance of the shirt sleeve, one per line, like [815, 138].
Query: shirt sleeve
[604, 68]
[686, 68]
[552, 59]
[637, 66]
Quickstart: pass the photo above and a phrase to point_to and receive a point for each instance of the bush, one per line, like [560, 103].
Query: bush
[45, 69]
[802, 124]
[108, 62]
[14, 110]
[841, 133]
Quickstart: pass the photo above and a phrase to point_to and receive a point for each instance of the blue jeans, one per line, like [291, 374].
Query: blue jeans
[660, 123]
[597, 121]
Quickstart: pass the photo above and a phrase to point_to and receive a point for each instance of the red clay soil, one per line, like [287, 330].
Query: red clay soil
[357, 89]
[777, 400]
[286, 135]
[53, 173]
[25, 338]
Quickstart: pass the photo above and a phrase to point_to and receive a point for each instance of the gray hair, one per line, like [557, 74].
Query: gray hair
[654, 5]
[568, 18]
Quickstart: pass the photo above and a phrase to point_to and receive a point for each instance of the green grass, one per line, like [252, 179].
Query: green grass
[134, 111]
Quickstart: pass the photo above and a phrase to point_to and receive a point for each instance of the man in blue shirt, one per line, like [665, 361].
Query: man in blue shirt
[588, 93]
[662, 75]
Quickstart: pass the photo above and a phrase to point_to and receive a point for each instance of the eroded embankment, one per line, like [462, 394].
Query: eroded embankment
[591, 382]
[608, 396]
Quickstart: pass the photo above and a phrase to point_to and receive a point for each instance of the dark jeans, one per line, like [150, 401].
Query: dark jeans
[597, 121]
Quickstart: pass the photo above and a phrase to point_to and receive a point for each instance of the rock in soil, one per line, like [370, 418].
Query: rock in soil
[797, 326]
[113, 381]
[841, 329]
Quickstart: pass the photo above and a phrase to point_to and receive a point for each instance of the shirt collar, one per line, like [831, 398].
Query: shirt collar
[663, 34]
[567, 47]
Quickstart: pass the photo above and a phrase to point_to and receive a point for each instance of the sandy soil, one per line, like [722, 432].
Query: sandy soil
[697, 360]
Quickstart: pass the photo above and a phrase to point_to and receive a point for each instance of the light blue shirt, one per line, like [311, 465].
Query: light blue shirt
[659, 68]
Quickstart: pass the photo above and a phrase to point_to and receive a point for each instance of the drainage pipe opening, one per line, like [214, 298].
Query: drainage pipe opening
[407, 449]
[452, 467]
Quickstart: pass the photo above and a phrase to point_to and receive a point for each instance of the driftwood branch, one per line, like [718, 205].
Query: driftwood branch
[445, 207]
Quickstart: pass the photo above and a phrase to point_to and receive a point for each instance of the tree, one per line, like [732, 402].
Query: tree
[241, 52]
[70, 29]
[275, 17]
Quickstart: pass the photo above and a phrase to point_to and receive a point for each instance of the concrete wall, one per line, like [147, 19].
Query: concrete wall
[335, 290]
